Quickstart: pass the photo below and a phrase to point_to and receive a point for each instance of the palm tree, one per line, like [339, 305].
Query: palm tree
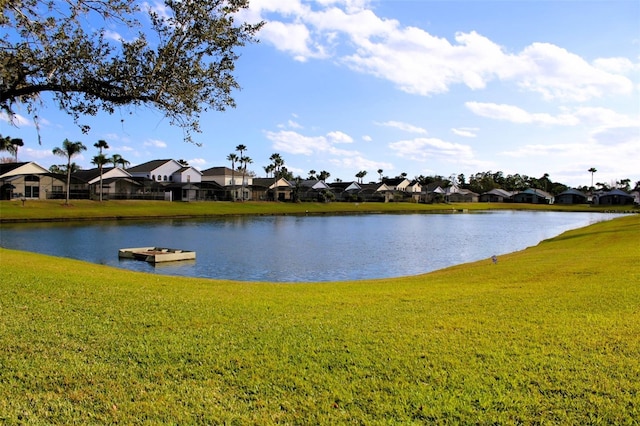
[380, 173]
[241, 149]
[69, 150]
[277, 162]
[100, 160]
[243, 166]
[592, 171]
[101, 144]
[233, 157]
[124, 163]
[13, 147]
[5, 143]
[361, 174]
[324, 175]
[312, 174]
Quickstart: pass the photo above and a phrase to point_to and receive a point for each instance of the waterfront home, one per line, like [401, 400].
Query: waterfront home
[117, 183]
[29, 180]
[267, 188]
[533, 196]
[345, 191]
[571, 196]
[231, 181]
[614, 197]
[313, 190]
[496, 195]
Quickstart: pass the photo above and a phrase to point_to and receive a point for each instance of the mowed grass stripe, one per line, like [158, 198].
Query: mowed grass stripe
[548, 334]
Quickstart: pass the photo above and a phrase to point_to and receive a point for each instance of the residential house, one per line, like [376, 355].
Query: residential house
[266, 189]
[414, 190]
[433, 192]
[117, 183]
[533, 196]
[461, 196]
[614, 197]
[313, 190]
[231, 181]
[397, 184]
[180, 182]
[345, 191]
[496, 195]
[571, 196]
[375, 192]
[28, 180]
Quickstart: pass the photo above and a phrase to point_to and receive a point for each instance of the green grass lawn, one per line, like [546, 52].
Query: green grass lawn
[547, 335]
[14, 210]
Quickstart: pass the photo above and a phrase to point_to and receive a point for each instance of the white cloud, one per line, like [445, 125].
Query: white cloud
[339, 137]
[515, 114]
[575, 157]
[17, 119]
[558, 74]
[465, 132]
[295, 143]
[403, 126]
[112, 35]
[420, 63]
[156, 143]
[197, 163]
[367, 138]
[423, 149]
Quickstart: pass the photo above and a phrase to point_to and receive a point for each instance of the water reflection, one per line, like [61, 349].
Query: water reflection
[303, 248]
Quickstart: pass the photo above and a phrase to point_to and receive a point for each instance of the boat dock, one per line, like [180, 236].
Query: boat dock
[156, 254]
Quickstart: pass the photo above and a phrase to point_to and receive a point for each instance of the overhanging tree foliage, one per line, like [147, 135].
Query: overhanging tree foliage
[98, 55]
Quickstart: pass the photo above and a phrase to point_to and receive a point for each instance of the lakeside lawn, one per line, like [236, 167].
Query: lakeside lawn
[56, 210]
[547, 335]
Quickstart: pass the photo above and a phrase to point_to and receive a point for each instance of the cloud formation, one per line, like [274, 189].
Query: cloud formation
[420, 63]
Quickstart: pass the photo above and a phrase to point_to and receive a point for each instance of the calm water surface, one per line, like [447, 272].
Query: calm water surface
[303, 248]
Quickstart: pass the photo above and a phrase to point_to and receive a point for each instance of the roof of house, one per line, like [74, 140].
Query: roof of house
[572, 191]
[344, 185]
[148, 166]
[7, 167]
[499, 192]
[218, 171]
[394, 181]
[535, 191]
[12, 168]
[617, 192]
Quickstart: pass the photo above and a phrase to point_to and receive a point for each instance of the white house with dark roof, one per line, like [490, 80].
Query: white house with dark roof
[162, 171]
[178, 179]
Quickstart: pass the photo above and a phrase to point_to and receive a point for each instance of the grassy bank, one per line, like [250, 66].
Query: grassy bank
[55, 210]
[547, 335]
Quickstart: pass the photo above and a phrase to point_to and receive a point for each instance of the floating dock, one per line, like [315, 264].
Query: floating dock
[156, 254]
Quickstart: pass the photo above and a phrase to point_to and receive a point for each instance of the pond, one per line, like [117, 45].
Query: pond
[302, 248]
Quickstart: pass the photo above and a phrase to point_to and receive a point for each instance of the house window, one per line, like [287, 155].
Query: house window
[165, 178]
[32, 191]
[31, 178]
[56, 188]
[153, 177]
[171, 178]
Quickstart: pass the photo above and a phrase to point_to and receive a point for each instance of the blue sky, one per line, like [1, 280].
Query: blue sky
[420, 87]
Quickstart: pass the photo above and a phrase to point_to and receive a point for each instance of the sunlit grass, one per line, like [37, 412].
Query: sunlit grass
[546, 335]
[91, 210]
